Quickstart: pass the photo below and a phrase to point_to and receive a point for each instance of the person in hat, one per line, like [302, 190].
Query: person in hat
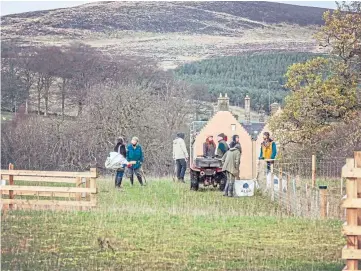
[135, 158]
[231, 162]
[222, 145]
[268, 150]
[121, 149]
[180, 156]
[235, 142]
[209, 147]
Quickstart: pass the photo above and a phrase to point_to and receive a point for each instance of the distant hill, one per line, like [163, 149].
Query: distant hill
[171, 32]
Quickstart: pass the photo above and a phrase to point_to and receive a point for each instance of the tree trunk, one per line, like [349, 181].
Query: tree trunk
[63, 98]
[46, 100]
[39, 101]
[80, 108]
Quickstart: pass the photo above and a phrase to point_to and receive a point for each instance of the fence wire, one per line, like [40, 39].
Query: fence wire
[300, 193]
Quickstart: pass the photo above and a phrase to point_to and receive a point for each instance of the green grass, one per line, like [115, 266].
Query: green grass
[164, 226]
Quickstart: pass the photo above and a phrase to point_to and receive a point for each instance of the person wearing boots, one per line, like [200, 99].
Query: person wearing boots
[121, 149]
[222, 145]
[180, 156]
[231, 162]
[235, 141]
[135, 158]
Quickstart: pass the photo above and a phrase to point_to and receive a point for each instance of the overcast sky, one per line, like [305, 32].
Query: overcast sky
[11, 7]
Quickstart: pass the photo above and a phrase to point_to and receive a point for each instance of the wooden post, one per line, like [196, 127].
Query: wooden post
[313, 171]
[87, 186]
[272, 183]
[93, 185]
[77, 185]
[288, 195]
[323, 200]
[11, 182]
[280, 186]
[357, 156]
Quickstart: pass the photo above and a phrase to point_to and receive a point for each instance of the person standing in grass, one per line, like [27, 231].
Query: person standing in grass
[235, 141]
[268, 150]
[222, 146]
[121, 149]
[231, 162]
[135, 158]
[180, 156]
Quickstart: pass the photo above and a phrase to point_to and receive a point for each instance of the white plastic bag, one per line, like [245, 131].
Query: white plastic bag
[115, 161]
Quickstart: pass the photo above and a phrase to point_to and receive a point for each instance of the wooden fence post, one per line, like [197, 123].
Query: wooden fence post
[272, 183]
[11, 182]
[313, 171]
[280, 190]
[323, 200]
[93, 185]
[77, 185]
[352, 253]
[289, 207]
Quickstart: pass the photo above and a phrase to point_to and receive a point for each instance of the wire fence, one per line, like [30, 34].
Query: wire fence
[305, 187]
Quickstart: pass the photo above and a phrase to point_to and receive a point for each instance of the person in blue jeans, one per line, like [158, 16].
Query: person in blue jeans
[121, 149]
[135, 158]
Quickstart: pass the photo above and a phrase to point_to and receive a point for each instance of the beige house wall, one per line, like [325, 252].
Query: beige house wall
[225, 122]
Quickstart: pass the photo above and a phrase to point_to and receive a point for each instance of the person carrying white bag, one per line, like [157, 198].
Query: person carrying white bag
[117, 161]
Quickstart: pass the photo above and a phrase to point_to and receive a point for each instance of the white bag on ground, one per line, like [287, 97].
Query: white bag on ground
[244, 188]
[115, 160]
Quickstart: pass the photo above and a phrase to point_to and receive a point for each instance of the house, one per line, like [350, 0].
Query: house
[249, 132]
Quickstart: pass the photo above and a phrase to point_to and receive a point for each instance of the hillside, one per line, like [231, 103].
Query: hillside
[250, 74]
[171, 32]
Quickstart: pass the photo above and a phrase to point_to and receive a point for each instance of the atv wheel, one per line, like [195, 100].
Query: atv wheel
[194, 181]
[223, 182]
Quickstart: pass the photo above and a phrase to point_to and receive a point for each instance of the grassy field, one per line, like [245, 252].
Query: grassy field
[164, 226]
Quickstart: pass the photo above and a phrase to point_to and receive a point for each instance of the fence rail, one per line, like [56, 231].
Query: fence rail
[25, 189]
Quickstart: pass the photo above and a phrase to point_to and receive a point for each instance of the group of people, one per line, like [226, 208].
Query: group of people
[229, 153]
[133, 154]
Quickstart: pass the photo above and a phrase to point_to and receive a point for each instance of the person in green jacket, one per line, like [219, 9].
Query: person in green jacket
[222, 146]
[231, 162]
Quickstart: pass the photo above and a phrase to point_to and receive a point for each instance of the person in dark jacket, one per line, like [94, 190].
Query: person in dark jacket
[222, 145]
[121, 149]
[209, 147]
[135, 158]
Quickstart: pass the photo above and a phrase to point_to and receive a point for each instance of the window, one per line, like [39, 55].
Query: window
[233, 126]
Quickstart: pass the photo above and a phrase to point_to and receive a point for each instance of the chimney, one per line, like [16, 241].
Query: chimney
[247, 109]
[261, 116]
[223, 103]
[274, 108]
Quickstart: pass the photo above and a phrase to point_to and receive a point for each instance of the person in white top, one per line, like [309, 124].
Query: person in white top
[180, 156]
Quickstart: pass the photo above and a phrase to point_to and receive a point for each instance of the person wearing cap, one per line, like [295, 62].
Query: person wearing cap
[135, 158]
[121, 149]
[268, 150]
[222, 145]
[180, 156]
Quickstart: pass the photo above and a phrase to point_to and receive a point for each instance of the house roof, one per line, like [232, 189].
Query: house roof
[254, 128]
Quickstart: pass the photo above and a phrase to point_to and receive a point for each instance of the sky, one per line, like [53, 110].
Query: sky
[11, 7]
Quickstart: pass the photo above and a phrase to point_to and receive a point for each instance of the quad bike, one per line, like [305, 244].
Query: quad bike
[207, 171]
